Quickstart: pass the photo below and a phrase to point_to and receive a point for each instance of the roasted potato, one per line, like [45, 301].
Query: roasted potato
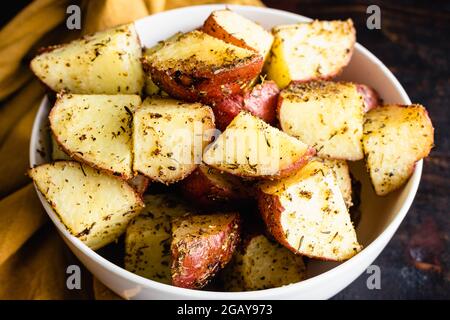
[395, 138]
[95, 207]
[343, 177]
[261, 101]
[326, 115]
[139, 182]
[238, 30]
[251, 148]
[210, 188]
[106, 62]
[310, 51]
[148, 237]
[262, 264]
[198, 67]
[371, 97]
[96, 129]
[151, 89]
[169, 137]
[307, 214]
[201, 246]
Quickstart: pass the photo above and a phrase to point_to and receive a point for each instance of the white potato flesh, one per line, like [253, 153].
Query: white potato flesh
[107, 62]
[395, 138]
[243, 30]
[314, 220]
[310, 50]
[326, 115]
[96, 129]
[95, 207]
[249, 147]
[263, 264]
[148, 237]
[169, 137]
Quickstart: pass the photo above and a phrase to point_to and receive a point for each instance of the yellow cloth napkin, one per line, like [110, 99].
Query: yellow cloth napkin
[33, 258]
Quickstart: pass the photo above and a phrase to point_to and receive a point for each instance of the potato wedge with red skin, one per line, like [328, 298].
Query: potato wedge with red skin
[327, 115]
[261, 101]
[251, 148]
[307, 214]
[371, 97]
[208, 187]
[201, 246]
[198, 67]
[395, 138]
[238, 30]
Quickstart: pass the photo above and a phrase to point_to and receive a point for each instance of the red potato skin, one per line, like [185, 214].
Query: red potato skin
[261, 101]
[207, 194]
[300, 163]
[371, 97]
[205, 85]
[194, 263]
[226, 109]
[270, 210]
[77, 156]
[214, 29]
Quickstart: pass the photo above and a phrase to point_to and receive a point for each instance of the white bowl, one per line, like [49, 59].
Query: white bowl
[380, 216]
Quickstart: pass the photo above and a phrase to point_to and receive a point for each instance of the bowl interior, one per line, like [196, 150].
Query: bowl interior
[377, 213]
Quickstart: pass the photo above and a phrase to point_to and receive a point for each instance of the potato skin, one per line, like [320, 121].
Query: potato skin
[270, 209]
[297, 165]
[205, 85]
[261, 101]
[226, 109]
[213, 28]
[371, 97]
[199, 188]
[196, 258]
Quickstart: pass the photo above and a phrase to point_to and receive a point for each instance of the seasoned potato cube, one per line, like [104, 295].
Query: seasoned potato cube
[201, 246]
[307, 214]
[326, 115]
[95, 207]
[262, 264]
[395, 138]
[96, 129]
[198, 67]
[169, 137]
[310, 51]
[251, 148]
[148, 237]
[238, 30]
[106, 62]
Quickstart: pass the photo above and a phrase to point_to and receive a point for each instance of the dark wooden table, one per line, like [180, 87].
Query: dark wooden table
[414, 44]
